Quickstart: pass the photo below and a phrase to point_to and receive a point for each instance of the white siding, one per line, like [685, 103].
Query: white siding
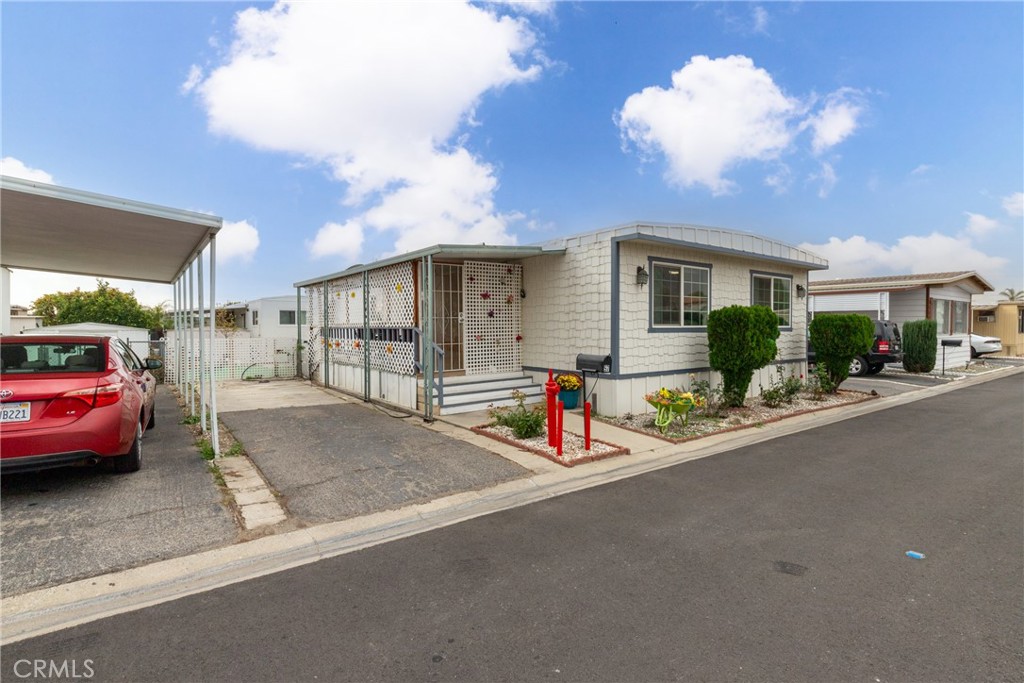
[908, 305]
[875, 305]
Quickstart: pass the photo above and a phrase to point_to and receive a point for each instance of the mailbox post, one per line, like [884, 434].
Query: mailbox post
[945, 343]
[551, 390]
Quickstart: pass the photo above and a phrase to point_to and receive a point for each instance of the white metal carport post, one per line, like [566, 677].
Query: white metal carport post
[213, 329]
[203, 357]
[190, 382]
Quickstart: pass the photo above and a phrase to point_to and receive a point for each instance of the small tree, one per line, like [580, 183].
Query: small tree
[920, 339]
[741, 339]
[837, 339]
[104, 305]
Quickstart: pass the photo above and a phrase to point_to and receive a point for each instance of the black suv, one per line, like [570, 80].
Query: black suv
[888, 348]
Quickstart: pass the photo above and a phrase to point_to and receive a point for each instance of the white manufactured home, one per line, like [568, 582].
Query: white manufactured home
[942, 297]
[466, 324]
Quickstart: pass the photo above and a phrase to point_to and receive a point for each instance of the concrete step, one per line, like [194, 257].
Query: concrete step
[462, 405]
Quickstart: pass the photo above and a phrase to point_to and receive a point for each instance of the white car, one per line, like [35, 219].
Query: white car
[984, 345]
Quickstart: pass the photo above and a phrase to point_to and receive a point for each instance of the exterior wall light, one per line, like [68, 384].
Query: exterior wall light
[801, 291]
[642, 276]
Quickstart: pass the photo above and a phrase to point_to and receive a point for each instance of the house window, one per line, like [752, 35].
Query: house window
[951, 316]
[773, 291]
[680, 294]
[255, 317]
[1020, 321]
[288, 317]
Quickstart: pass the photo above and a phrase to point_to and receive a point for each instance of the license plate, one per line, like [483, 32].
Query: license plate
[15, 412]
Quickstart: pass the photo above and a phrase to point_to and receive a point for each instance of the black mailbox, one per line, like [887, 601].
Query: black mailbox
[952, 342]
[588, 362]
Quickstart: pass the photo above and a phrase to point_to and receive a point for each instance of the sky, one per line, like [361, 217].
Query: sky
[885, 137]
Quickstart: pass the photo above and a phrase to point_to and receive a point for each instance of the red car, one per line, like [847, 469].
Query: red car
[70, 400]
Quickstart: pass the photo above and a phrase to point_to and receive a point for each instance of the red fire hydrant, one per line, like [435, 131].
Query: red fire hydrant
[551, 389]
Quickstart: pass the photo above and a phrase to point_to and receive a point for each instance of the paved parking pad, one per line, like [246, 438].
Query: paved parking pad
[335, 461]
[72, 523]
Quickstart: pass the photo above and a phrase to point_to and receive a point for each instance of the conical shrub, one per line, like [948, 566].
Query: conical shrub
[920, 339]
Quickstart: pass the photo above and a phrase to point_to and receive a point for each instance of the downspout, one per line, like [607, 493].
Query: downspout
[298, 332]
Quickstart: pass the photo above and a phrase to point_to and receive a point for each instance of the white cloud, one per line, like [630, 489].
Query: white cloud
[921, 169]
[720, 113]
[195, 77]
[837, 120]
[15, 168]
[826, 178]
[934, 253]
[334, 239]
[380, 96]
[717, 113]
[760, 17]
[1013, 204]
[979, 225]
[237, 240]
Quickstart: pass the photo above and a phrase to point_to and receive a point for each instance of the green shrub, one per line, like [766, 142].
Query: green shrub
[741, 339]
[838, 338]
[524, 423]
[711, 397]
[920, 339]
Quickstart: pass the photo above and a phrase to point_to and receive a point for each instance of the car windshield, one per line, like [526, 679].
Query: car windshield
[40, 357]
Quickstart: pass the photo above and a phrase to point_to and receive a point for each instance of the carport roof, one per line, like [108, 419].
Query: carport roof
[51, 228]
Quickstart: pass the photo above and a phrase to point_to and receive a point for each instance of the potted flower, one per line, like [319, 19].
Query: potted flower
[672, 403]
[569, 384]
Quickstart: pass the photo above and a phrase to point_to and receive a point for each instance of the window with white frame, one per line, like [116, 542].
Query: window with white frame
[680, 294]
[775, 292]
[951, 317]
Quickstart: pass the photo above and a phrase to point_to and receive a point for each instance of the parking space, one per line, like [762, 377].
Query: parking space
[893, 380]
[71, 523]
[341, 458]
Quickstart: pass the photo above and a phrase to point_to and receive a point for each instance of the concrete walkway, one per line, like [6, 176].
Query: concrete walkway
[42, 611]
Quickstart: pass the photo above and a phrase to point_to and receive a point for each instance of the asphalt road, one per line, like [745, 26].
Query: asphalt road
[783, 561]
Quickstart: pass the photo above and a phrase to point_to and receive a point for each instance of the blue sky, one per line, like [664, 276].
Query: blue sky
[887, 137]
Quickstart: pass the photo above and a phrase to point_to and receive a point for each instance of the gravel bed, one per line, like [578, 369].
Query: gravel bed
[754, 413]
[573, 445]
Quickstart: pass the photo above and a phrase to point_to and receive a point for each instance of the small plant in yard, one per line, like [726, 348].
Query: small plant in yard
[206, 449]
[568, 381]
[920, 341]
[524, 422]
[785, 390]
[712, 403]
[820, 383]
[190, 420]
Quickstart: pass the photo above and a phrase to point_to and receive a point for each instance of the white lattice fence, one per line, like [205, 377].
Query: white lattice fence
[493, 317]
[232, 357]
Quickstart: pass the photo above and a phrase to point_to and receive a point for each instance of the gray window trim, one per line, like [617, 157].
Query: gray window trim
[680, 328]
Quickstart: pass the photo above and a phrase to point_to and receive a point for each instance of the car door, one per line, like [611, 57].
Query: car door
[139, 390]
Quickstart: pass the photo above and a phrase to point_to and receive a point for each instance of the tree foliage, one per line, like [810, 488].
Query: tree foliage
[837, 339]
[1011, 294]
[741, 339]
[104, 305]
[920, 342]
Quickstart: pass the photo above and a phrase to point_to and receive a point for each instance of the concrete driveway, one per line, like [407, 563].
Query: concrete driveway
[71, 523]
[332, 457]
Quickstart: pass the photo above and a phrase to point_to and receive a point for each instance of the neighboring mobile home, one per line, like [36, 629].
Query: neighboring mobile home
[468, 323]
[1004, 319]
[942, 297]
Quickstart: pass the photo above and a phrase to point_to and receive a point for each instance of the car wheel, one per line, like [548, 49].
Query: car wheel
[876, 368]
[152, 419]
[132, 460]
[858, 367]
[974, 354]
